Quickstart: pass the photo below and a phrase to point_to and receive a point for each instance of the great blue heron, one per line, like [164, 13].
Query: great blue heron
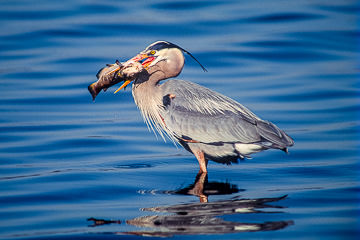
[206, 123]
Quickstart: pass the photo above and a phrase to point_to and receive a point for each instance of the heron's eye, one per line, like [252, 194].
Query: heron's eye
[152, 52]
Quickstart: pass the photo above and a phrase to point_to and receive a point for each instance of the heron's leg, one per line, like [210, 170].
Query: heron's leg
[202, 161]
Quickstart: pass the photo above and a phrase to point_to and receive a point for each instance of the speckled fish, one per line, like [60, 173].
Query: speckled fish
[107, 77]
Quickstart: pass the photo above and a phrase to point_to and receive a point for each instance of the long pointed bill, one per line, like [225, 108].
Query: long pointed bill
[123, 85]
[142, 58]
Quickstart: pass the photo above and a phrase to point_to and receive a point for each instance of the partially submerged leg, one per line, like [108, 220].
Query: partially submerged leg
[202, 161]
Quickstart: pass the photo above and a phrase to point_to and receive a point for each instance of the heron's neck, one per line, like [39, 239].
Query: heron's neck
[144, 90]
[147, 96]
[145, 87]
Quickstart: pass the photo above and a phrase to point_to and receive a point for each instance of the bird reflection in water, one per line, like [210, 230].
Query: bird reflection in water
[202, 188]
[203, 217]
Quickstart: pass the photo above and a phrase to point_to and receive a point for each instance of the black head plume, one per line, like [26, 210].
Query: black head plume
[164, 44]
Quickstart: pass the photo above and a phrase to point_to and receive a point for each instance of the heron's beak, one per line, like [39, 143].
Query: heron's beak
[122, 86]
[142, 58]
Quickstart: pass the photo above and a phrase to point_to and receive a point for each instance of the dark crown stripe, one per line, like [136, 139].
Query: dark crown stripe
[164, 44]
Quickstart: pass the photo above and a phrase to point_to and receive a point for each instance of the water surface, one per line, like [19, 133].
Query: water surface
[71, 168]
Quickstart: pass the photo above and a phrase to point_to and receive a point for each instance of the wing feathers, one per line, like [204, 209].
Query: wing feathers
[209, 117]
[273, 134]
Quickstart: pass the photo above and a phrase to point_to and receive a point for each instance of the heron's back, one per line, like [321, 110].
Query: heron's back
[195, 114]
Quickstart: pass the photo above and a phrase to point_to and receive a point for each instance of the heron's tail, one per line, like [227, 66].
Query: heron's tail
[274, 137]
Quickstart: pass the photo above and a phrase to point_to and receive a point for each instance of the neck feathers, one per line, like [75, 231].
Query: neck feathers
[148, 99]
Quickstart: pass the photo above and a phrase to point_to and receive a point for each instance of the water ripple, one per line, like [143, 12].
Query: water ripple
[65, 159]
[284, 17]
[185, 6]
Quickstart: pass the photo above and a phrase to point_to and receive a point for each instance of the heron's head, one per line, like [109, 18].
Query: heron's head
[162, 57]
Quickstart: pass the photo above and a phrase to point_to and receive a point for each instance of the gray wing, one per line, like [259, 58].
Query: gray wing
[193, 112]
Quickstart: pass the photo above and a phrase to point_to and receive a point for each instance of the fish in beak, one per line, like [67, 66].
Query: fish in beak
[118, 72]
[142, 58]
[107, 77]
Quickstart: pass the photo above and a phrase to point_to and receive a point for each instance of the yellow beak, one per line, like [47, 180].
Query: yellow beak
[123, 85]
[144, 59]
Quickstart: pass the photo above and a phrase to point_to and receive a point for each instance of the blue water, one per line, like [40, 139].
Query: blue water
[71, 168]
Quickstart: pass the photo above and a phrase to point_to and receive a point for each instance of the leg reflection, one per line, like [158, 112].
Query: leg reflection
[203, 189]
[198, 189]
